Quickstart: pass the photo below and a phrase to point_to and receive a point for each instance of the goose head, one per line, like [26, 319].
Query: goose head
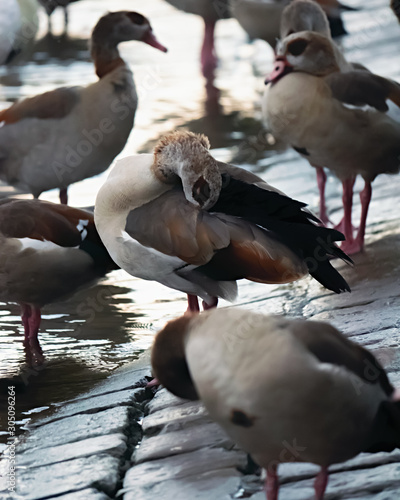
[186, 156]
[168, 359]
[304, 15]
[306, 52]
[123, 26]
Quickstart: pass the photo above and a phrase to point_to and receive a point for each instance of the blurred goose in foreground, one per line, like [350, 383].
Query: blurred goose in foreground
[47, 252]
[18, 27]
[211, 11]
[262, 18]
[183, 219]
[305, 106]
[269, 380]
[69, 134]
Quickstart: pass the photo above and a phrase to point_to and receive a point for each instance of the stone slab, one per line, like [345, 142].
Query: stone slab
[194, 463]
[92, 405]
[163, 399]
[214, 485]
[100, 472]
[77, 428]
[87, 494]
[178, 442]
[113, 444]
[176, 418]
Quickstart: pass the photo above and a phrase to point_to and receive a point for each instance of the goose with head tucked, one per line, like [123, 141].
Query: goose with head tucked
[309, 88]
[183, 219]
[69, 134]
[47, 253]
[271, 380]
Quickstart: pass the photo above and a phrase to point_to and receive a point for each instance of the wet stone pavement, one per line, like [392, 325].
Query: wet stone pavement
[122, 441]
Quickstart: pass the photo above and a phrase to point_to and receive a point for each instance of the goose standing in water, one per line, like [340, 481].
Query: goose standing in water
[47, 252]
[69, 134]
[309, 88]
[51, 5]
[270, 380]
[211, 11]
[183, 219]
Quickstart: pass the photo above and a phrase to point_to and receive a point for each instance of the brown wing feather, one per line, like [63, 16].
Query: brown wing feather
[251, 260]
[42, 220]
[54, 104]
[225, 247]
[175, 227]
[361, 88]
[330, 346]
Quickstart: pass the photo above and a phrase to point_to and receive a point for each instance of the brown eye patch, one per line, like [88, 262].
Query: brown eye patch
[297, 47]
[136, 18]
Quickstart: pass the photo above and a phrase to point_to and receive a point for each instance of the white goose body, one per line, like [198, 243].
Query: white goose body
[118, 197]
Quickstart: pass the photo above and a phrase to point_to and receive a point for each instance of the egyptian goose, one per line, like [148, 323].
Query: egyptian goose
[270, 380]
[47, 252]
[66, 135]
[262, 18]
[183, 219]
[307, 15]
[211, 11]
[308, 88]
[18, 27]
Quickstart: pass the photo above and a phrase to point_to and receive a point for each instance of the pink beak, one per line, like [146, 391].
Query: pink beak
[281, 68]
[150, 39]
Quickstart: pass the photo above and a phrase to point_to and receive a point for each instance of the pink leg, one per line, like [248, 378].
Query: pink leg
[64, 196]
[210, 306]
[321, 181]
[271, 486]
[26, 311]
[365, 197]
[193, 303]
[34, 323]
[31, 319]
[345, 225]
[320, 483]
[208, 58]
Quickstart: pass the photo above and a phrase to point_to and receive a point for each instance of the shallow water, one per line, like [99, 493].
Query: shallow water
[87, 337]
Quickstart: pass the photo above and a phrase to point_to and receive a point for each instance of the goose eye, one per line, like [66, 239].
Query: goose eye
[297, 47]
[136, 18]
